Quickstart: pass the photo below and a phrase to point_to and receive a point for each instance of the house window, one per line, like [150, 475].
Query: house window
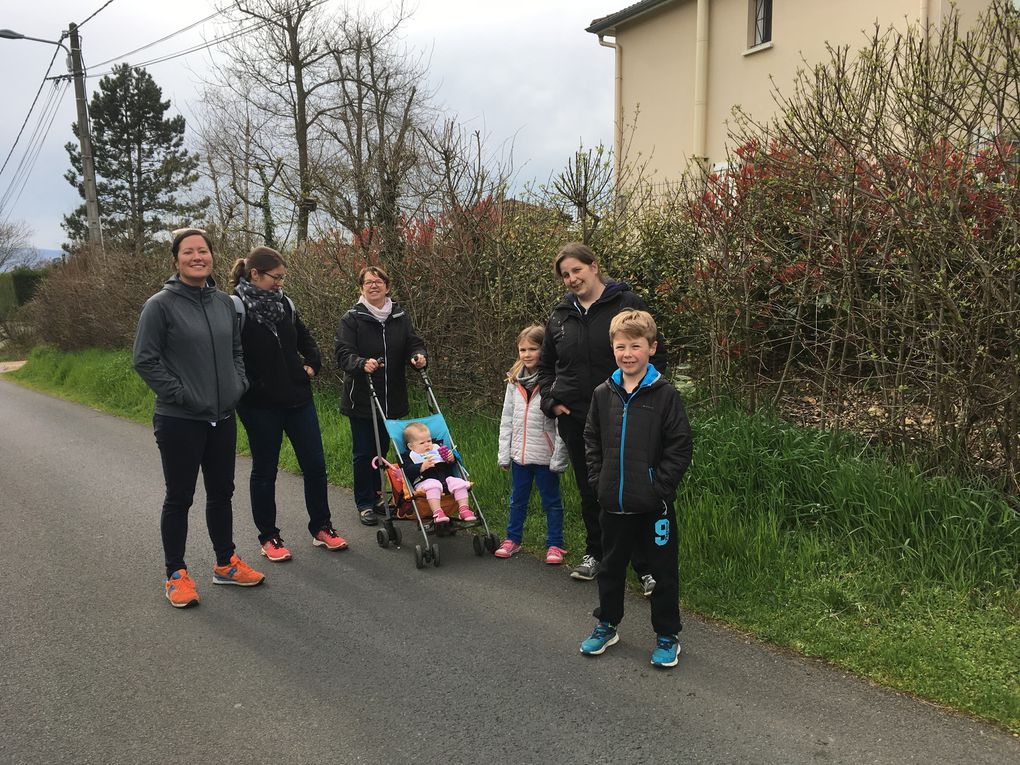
[762, 22]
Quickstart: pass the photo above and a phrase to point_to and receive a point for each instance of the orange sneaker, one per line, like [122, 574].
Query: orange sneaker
[180, 589]
[237, 572]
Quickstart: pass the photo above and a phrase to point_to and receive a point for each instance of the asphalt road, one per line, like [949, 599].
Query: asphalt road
[357, 657]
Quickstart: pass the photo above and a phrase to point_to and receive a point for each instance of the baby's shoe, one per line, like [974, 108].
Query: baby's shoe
[438, 516]
[467, 515]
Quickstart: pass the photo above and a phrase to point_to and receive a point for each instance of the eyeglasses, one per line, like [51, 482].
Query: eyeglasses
[277, 278]
[373, 283]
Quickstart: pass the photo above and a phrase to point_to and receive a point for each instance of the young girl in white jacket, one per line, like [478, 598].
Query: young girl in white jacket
[530, 449]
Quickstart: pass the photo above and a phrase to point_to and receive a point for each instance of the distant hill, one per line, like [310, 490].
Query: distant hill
[40, 257]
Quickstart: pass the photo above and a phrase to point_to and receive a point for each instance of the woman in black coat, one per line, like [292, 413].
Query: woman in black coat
[375, 337]
[280, 359]
[577, 356]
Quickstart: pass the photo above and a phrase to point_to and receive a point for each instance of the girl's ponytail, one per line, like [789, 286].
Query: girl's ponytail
[534, 333]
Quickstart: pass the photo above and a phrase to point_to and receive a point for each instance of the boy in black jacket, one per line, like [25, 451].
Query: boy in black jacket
[638, 446]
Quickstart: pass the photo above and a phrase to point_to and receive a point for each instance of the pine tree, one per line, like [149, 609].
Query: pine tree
[143, 171]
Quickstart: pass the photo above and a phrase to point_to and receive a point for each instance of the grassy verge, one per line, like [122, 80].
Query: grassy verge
[794, 535]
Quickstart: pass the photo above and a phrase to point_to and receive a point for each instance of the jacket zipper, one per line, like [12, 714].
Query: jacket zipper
[212, 342]
[524, 438]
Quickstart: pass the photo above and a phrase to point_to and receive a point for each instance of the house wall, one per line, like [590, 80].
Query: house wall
[659, 65]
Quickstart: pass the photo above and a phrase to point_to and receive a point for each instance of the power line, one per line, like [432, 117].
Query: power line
[186, 51]
[27, 116]
[96, 13]
[19, 171]
[32, 151]
[201, 46]
[161, 39]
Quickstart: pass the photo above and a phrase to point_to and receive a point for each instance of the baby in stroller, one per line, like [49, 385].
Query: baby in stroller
[430, 466]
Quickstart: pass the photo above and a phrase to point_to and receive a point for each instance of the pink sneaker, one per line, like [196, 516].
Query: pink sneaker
[275, 550]
[554, 556]
[440, 517]
[328, 538]
[467, 515]
[508, 548]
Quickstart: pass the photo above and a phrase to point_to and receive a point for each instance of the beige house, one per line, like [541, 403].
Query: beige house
[682, 65]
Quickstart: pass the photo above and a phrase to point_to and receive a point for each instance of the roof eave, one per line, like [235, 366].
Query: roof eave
[607, 24]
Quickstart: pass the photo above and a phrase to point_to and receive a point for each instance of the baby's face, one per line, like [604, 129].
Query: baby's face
[420, 443]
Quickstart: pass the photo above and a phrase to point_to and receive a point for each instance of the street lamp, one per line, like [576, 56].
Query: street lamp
[74, 66]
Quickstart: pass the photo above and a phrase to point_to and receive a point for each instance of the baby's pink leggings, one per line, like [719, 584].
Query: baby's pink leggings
[434, 489]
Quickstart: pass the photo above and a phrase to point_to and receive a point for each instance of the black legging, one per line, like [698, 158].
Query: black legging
[185, 446]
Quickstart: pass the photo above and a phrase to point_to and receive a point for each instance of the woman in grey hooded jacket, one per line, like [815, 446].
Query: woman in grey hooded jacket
[188, 350]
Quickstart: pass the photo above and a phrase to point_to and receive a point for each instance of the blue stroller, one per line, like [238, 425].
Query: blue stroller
[407, 503]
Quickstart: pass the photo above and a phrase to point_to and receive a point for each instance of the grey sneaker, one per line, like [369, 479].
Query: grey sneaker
[588, 569]
[647, 585]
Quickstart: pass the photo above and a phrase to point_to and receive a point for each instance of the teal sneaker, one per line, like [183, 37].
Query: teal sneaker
[603, 636]
[667, 651]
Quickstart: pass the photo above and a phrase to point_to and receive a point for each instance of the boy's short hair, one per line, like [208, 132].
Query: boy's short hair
[633, 323]
[415, 429]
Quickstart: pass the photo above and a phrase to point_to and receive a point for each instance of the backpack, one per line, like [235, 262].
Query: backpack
[241, 313]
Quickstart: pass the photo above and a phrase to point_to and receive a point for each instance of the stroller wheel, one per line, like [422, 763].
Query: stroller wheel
[435, 555]
[395, 535]
[491, 542]
[419, 557]
[477, 544]
[382, 538]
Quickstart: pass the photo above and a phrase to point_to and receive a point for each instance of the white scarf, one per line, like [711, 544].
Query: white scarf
[380, 314]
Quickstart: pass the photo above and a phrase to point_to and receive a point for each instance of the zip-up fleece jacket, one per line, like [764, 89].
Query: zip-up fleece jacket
[637, 445]
[576, 352]
[275, 364]
[526, 435]
[188, 350]
[361, 337]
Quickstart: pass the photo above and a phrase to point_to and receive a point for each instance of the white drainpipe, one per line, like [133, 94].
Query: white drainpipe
[618, 108]
[701, 85]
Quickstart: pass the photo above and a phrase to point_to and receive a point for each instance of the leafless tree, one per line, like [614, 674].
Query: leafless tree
[14, 246]
[281, 65]
[373, 127]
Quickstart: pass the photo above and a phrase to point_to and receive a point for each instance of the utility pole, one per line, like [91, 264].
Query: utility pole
[88, 166]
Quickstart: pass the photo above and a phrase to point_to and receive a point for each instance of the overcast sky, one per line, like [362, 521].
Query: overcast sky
[523, 72]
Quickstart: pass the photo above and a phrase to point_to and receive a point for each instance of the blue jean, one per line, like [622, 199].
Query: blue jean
[265, 428]
[548, 484]
[367, 482]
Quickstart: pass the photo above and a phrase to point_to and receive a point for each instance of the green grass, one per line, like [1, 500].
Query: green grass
[798, 536]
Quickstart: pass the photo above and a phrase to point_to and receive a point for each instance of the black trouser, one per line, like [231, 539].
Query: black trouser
[367, 481]
[185, 446]
[654, 534]
[265, 429]
[571, 430]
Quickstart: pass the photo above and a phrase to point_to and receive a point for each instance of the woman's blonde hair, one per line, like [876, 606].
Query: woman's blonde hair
[534, 333]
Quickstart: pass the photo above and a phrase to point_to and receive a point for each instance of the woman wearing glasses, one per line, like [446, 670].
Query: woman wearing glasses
[187, 349]
[280, 359]
[376, 337]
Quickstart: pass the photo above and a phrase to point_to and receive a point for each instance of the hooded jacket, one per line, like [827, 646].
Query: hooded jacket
[361, 337]
[275, 364]
[576, 352]
[188, 350]
[637, 445]
[526, 435]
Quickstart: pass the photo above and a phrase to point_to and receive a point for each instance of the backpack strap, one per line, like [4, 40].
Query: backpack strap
[239, 310]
